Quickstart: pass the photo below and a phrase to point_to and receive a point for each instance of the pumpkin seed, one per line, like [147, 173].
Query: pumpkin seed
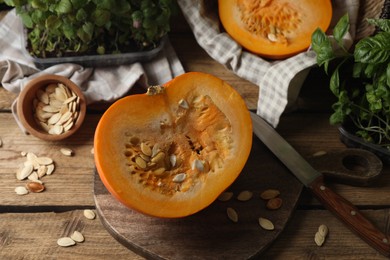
[66, 151]
[159, 171]
[319, 239]
[77, 237]
[158, 158]
[35, 187]
[20, 190]
[57, 110]
[179, 177]
[266, 224]
[272, 37]
[24, 172]
[172, 160]
[198, 165]
[145, 149]
[33, 176]
[65, 242]
[89, 214]
[54, 119]
[42, 170]
[50, 169]
[319, 153]
[269, 194]
[56, 130]
[245, 195]
[323, 230]
[44, 160]
[274, 203]
[225, 196]
[232, 214]
[140, 162]
[183, 104]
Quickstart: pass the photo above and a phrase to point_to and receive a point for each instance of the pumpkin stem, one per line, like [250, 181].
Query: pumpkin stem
[155, 90]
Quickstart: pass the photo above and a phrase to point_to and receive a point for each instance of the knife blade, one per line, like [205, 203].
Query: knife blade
[313, 180]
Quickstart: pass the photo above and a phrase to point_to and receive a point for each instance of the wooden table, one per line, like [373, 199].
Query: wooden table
[30, 225]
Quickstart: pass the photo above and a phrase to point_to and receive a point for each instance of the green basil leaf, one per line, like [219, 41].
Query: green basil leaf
[357, 69]
[335, 83]
[323, 48]
[388, 75]
[383, 24]
[375, 49]
[341, 29]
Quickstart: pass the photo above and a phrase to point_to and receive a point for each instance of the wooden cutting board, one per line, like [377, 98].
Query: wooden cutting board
[208, 234]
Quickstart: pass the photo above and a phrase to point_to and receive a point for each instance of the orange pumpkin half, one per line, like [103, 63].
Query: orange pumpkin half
[172, 151]
[274, 29]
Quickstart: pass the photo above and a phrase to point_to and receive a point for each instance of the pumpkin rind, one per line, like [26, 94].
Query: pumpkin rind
[197, 118]
[274, 29]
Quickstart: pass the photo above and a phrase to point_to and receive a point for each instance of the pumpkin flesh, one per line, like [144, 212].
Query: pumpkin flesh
[274, 29]
[194, 137]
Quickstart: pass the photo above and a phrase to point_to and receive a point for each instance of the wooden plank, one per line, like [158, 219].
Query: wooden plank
[34, 236]
[6, 99]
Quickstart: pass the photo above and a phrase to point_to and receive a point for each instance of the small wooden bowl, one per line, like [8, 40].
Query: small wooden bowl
[26, 109]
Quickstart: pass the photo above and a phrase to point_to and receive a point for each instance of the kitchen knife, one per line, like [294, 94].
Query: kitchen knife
[313, 180]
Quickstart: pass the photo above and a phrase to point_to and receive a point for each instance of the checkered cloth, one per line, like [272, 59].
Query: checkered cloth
[279, 81]
[98, 84]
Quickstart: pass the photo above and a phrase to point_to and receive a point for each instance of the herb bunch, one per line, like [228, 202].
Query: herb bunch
[360, 79]
[73, 27]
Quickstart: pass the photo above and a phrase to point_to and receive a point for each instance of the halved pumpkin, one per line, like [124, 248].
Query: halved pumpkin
[274, 29]
[172, 151]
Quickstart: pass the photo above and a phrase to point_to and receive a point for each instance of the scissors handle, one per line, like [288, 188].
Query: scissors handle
[351, 166]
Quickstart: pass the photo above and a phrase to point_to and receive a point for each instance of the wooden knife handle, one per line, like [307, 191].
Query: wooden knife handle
[351, 216]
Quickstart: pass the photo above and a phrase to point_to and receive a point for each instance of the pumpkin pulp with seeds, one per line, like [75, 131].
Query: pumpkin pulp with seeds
[274, 29]
[172, 152]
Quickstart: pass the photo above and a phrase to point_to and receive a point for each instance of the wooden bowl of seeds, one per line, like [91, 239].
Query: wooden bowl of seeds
[51, 107]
